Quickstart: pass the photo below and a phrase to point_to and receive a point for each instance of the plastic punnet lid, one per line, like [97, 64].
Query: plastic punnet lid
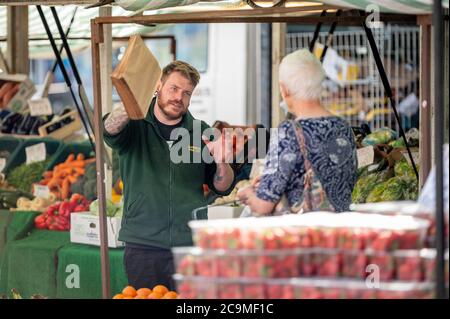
[316, 219]
[402, 207]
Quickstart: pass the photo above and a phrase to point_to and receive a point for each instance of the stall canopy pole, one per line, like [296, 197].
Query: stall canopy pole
[63, 71]
[316, 32]
[81, 91]
[97, 38]
[329, 37]
[438, 23]
[387, 88]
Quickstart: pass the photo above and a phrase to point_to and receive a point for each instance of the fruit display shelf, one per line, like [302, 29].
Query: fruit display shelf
[401, 265]
[192, 287]
[313, 230]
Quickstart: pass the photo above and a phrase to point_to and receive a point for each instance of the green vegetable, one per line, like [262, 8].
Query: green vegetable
[90, 189]
[23, 176]
[403, 169]
[411, 190]
[381, 136]
[397, 143]
[391, 190]
[376, 193]
[366, 184]
[111, 208]
[8, 198]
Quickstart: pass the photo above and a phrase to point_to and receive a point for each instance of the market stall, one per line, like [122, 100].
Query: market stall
[292, 14]
[27, 236]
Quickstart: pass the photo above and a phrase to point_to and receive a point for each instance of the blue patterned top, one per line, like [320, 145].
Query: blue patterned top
[331, 150]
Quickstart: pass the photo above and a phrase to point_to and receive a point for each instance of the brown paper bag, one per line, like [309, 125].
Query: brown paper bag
[136, 77]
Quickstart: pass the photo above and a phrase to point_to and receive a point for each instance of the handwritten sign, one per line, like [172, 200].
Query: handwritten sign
[39, 107]
[41, 191]
[36, 153]
[366, 156]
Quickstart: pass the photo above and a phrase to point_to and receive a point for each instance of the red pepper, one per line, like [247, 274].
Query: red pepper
[49, 221]
[64, 209]
[39, 221]
[76, 198]
[80, 208]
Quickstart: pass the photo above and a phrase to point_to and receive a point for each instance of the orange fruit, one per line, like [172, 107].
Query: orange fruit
[161, 289]
[118, 296]
[128, 297]
[140, 297]
[155, 295]
[144, 292]
[170, 295]
[129, 291]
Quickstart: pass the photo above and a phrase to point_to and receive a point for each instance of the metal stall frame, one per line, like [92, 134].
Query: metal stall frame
[304, 15]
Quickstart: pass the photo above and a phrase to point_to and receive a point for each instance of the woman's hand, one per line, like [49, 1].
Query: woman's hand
[258, 206]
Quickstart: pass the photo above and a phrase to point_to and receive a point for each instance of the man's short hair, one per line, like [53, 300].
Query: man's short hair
[187, 70]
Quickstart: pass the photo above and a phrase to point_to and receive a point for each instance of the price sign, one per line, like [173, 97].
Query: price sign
[366, 156]
[36, 153]
[41, 191]
[40, 107]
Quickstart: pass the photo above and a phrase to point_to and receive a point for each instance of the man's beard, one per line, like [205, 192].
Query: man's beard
[173, 110]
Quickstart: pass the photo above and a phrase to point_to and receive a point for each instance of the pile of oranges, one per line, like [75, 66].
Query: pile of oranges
[158, 292]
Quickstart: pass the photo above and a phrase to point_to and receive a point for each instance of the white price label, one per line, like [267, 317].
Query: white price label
[2, 164]
[366, 156]
[41, 191]
[40, 107]
[36, 153]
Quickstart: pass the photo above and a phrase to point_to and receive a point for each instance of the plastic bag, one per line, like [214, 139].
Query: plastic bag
[381, 136]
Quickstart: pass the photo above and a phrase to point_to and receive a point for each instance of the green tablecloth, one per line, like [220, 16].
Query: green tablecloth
[13, 226]
[36, 261]
[86, 260]
[21, 225]
[5, 219]
[29, 264]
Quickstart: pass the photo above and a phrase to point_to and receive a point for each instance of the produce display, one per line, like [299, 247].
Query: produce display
[63, 175]
[381, 136]
[323, 230]
[157, 292]
[316, 255]
[25, 124]
[390, 184]
[401, 265]
[112, 210]
[7, 91]
[308, 288]
[405, 208]
[24, 176]
[9, 198]
[57, 216]
[38, 204]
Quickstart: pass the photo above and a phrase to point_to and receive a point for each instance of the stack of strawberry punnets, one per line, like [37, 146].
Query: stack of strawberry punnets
[259, 257]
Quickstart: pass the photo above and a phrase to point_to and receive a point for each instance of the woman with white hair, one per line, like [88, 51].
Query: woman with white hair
[327, 142]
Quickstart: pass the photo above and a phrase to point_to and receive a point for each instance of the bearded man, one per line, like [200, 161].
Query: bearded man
[159, 193]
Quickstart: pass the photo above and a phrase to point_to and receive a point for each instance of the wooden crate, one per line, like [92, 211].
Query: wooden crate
[64, 131]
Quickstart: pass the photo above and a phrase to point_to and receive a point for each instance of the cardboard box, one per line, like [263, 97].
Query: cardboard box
[221, 212]
[26, 89]
[85, 229]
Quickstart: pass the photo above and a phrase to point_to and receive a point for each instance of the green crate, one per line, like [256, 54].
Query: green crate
[71, 148]
[52, 146]
[11, 145]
